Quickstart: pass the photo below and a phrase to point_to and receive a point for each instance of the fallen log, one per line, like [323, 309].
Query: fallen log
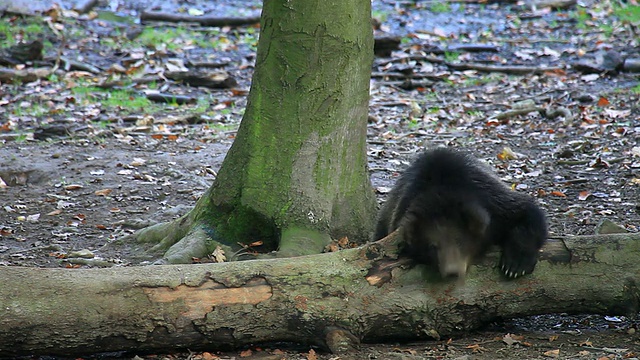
[25, 75]
[202, 20]
[515, 69]
[333, 300]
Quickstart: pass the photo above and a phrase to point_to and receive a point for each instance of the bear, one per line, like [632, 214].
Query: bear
[451, 209]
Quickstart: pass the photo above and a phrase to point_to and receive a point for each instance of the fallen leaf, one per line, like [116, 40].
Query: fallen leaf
[208, 356]
[175, 65]
[511, 339]
[599, 163]
[138, 162]
[61, 204]
[54, 212]
[103, 192]
[246, 353]
[332, 247]
[590, 77]
[558, 193]
[552, 353]
[584, 195]
[238, 92]
[617, 114]
[550, 52]
[507, 154]
[84, 254]
[476, 348]
[73, 187]
[218, 255]
[603, 101]
[312, 355]
[344, 241]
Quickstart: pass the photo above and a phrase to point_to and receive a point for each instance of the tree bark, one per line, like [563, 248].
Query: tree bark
[332, 300]
[296, 175]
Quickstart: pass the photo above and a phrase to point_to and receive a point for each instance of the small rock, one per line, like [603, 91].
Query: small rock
[604, 62]
[631, 65]
[84, 253]
[585, 98]
[607, 226]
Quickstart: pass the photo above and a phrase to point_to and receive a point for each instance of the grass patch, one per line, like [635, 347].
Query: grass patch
[629, 13]
[413, 124]
[581, 17]
[202, 106]
[176, 39]
[26, 30]
[440, 7]
[220, 127]
[381, 16]
[124, 100]
[127, 100]
[451, 56]
[171, 38]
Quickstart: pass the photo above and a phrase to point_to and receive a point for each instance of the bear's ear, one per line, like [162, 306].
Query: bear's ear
[476, 217]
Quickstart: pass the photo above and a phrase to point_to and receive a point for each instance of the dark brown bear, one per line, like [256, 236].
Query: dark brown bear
[451, 209]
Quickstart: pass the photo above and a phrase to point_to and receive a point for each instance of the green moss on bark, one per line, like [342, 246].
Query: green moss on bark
[299, 158]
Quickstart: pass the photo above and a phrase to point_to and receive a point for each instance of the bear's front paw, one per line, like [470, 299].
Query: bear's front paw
[515, 266]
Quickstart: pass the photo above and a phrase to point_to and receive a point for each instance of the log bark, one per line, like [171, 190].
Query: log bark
[332, 300]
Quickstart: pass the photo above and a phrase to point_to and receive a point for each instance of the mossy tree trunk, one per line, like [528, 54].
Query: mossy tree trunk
[296, 175]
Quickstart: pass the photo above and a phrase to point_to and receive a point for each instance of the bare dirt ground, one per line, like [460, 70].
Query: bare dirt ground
[117, 168]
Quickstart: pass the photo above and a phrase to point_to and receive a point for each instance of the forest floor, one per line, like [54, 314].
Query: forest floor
[550, 98]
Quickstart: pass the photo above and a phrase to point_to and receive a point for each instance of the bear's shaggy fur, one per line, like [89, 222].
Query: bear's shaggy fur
[451, 209]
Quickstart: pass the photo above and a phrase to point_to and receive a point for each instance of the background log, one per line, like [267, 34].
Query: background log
[357, 294]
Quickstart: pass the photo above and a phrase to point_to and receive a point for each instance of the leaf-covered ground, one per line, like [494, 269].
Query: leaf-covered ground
[111, 136]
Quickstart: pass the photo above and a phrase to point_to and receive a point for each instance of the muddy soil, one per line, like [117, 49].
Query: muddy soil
[72, 194]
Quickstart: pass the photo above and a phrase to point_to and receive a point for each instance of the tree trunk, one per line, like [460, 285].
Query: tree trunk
[296, 175]
[331, 299]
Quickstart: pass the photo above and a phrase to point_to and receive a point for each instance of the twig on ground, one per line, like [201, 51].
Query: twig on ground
[202, 20]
